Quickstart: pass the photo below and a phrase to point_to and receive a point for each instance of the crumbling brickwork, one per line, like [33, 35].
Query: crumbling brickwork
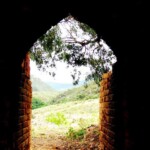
[22, 136]
[107, 111]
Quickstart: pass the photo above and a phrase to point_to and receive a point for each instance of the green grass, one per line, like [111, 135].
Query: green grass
[78, 94]
[60, 118]
[37, 103]
[44, 98]
[76, 134]
[67, 113]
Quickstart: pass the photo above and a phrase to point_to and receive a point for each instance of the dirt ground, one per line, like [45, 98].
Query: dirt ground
[46, 144]
[90, 142]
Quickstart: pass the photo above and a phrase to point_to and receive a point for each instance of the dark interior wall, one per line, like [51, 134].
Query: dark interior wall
[123, 25]
[15, 103]
[9, 81]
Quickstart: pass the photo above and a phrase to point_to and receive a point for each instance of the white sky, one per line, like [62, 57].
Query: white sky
[63, 74]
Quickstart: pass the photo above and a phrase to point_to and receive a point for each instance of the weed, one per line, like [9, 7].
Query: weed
[58, 118]
[75, 134]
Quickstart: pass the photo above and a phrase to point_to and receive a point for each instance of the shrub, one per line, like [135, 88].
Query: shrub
[37, 103]
[75, 134]
[58, 118]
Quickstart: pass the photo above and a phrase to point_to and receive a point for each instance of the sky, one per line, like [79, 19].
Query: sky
[63, 74]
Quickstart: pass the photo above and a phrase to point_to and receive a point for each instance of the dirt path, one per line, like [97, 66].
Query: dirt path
[46, 144]
[57, 142]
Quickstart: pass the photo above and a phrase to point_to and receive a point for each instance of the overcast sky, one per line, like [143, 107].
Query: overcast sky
[63, 74]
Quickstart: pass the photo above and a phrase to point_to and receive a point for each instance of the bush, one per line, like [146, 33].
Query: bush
[37, 103]
[75, 134]
[80, 96]
[58, 118]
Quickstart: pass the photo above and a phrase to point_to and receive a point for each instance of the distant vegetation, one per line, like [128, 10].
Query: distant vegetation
[68, 112]
[44, 95]
[39, 85]
[37, 103]
[78, 94]
[64, 86]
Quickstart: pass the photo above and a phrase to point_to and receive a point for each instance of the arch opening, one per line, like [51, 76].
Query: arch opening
[75, 51]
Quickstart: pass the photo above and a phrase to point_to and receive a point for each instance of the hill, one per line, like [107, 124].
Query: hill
[64, 86]
[39, 85]
[78, 93]
[42, 93]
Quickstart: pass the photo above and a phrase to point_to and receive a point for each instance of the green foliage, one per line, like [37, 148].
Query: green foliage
[81, 131]
[82, 93]
[53, 47]
[78, 94]
[37, 103]
[87, 29]
[75, 134]
[42, 93]
[46, 97]
[58, 118]
[79, 115]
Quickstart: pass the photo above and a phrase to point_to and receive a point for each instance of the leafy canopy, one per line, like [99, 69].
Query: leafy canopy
[78, 45]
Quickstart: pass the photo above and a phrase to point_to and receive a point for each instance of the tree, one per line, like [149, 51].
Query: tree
[75, 43]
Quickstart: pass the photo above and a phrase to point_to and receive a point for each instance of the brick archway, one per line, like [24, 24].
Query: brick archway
[123, 25]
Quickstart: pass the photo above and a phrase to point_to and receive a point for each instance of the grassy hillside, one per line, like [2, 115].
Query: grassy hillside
[60, 118]
[42, 93]
[78, 94]
[39, 85]
[64, 86]
[67, 114]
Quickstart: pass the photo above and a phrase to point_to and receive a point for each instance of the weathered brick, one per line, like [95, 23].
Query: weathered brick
[106, 92]
[101, 94]
[28, 111]
[25, 136]
[25, 117]
[108, 111]
[25, 124]
[101, 89]
[108, 98]
[101, 147]
[108, 105]
[106, 75]
[105, 140]
[107, 132]
[101, 99]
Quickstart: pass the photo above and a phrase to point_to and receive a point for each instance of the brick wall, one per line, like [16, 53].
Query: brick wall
[107, 112]
[15, 102]
[22, 136]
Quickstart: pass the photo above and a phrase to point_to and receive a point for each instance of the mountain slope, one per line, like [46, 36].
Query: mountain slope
[64, 86]
[39, 85]
[78, 93]
[42, 93]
